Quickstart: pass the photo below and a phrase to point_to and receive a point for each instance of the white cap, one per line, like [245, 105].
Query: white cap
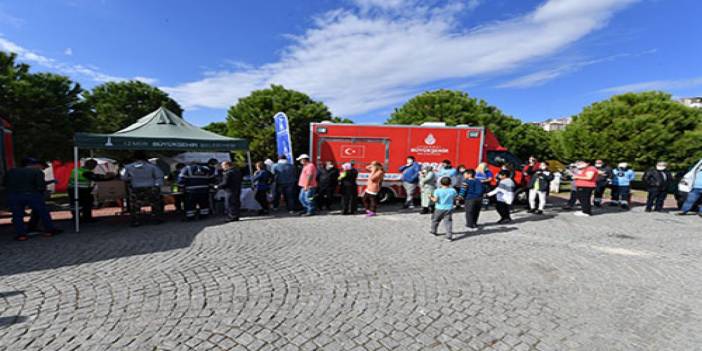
[303, 156]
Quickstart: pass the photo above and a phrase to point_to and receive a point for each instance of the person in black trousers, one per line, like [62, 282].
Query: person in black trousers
[262, 181]
[328, 179]
[472, 192]
[657, 181]
[231, 184]
[349, 189]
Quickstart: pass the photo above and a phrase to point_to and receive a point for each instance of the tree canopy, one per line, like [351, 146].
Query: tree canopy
[217, 128]
[639, 128]
[252, 118]
[116, 105]
[456, 107]
[44, 109]
[529, 140]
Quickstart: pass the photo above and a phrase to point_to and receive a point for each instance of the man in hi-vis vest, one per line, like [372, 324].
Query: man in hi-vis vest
[85, 181]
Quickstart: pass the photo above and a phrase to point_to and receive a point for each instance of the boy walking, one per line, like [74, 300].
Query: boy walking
[444, 198]
[505, 196]
[472, 193]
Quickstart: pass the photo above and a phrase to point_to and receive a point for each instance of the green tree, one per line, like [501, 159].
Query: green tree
[455, 107]
[640, 128]
[217, 128]
[116, 105]
[529, 140]
[44, 109]
[252, 118]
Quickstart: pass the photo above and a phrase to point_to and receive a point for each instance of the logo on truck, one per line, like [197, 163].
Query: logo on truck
[430, 148]
[430, 140]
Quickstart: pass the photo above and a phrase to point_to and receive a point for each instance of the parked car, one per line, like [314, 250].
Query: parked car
[685, 182]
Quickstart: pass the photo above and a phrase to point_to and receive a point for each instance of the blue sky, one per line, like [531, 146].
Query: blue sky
[534, 59]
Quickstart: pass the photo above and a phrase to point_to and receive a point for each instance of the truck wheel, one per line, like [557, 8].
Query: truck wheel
[385, 196]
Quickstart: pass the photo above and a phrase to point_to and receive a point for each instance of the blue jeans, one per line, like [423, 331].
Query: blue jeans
[19, 201]
[692, 197]
[620, 194]
[307, 199]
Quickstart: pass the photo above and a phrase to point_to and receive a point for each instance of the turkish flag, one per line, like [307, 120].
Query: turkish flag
[352, 151]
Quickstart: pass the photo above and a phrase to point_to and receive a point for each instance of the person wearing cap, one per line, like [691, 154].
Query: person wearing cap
[308, 184]
[621, 185]
[349, 188]
[25, 188]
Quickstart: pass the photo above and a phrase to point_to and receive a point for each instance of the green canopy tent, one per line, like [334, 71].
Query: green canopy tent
[159, 130]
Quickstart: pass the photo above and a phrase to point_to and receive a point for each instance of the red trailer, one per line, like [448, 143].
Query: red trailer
[391, 144]
[7, 159]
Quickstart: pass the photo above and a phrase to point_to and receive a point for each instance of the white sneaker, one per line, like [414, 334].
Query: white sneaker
[580, 214]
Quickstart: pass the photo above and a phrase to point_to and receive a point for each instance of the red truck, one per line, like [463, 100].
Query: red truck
[391, 144]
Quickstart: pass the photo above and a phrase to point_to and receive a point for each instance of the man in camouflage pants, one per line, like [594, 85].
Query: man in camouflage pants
[145, 181]
[141, 197]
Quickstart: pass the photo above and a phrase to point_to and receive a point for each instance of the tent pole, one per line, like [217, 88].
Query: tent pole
[248, 158]
[76, 206]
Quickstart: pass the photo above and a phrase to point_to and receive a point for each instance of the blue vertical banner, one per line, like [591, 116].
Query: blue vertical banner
[282, 136]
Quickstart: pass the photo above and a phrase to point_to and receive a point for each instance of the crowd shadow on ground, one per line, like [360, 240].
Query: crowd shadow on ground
[106, 238]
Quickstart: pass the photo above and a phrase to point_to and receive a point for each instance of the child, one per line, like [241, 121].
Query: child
[472, 193]
[538, 186]
[444, 198]
[621, 185]
[505, 196]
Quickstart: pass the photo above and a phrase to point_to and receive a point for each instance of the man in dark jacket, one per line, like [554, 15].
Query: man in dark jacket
[472, 192]
[349, 188]
[328, 179]
[25, 188]
[657, 181]
[231, 184]
[604, 174]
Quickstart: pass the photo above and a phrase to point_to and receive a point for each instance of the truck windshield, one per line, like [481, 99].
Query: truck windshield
[497, 158]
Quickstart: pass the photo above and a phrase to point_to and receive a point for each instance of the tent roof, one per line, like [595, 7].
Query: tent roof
[160, 130]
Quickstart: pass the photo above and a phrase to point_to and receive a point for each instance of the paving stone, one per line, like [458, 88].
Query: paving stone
[615, 281]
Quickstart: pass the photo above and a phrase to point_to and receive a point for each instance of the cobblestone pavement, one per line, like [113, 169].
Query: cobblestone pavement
[616, 281]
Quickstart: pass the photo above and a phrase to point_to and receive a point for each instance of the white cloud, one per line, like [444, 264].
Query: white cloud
[147, 80]
[357, 61]
[655, 85]
[6, 18]
[68, 52]
[91, 72]
[544, 76]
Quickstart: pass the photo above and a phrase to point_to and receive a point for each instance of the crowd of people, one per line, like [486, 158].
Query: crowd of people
[307, 189]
